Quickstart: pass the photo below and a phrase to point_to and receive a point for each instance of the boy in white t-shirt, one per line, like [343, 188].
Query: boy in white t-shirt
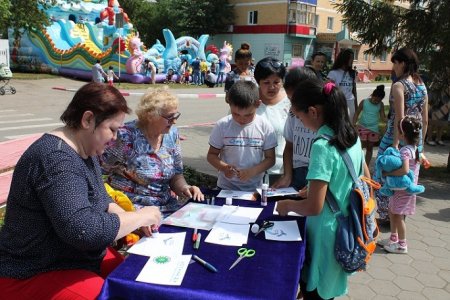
[242, 144]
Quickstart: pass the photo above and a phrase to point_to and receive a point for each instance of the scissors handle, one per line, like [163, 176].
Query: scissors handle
[244, 252]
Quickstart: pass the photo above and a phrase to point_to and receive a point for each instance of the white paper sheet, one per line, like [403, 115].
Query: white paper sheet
[228, 234]
[283, 231]
[291, 213]
[238, 214]
[168, 243]
[237, 195]
[194, 215]
[164, 269]
[280, 192]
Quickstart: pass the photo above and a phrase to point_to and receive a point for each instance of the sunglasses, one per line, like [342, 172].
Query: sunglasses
[275, 64]
[171, 118]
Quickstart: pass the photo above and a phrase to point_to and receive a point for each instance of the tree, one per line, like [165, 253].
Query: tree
[182, 17]
[27, 15]
[5, 14]
[197, 17]
[422, 25]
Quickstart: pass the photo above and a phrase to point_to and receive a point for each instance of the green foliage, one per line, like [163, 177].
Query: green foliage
[182, 17]
[199, 179]
[422, 25]
[27, 15]
[5, 14]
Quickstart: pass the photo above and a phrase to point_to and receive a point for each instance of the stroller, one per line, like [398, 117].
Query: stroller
[5, 76]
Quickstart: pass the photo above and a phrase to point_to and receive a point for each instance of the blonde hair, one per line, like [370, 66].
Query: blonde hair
[154, 101]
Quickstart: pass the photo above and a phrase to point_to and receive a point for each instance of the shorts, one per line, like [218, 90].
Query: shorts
[367, 135]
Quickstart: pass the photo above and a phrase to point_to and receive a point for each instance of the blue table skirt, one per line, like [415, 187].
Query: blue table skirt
[273, 273]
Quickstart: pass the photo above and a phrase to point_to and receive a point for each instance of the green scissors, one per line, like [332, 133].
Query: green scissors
[243, 252]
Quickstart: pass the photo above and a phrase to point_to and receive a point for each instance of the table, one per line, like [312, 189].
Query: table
[273, 273]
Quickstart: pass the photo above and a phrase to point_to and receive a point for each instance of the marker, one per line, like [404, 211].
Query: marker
[197, 241]
[194, 236]
[207, 265]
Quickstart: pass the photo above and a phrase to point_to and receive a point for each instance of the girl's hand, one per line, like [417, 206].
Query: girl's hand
[282, 207]
[282, 182]
[303, 193]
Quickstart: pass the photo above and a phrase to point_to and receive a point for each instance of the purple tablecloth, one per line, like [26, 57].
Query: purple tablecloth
[273, 273]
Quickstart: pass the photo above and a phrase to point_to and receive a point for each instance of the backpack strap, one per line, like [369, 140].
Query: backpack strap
[331, 200]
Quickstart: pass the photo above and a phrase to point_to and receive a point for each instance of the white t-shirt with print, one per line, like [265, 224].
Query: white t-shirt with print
[242, 147]
[277, 115]
[301, 138]
[345, 82]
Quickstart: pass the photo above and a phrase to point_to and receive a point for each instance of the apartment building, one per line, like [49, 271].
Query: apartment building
[291, 30]
[278, 28]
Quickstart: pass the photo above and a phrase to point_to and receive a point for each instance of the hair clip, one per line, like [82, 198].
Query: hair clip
[328, 87]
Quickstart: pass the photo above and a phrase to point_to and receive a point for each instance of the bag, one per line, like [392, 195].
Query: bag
[356, 233]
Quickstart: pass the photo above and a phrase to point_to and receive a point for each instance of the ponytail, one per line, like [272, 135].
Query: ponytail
[336, 116]
[313, 92]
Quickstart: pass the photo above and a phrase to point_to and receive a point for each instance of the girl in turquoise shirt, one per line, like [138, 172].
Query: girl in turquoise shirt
[323, 108]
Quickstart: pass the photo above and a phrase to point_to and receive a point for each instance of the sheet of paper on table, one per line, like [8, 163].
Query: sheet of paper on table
[238, 214]
[167, 243]
[280, 192]
[194, 215]
[242, 195]
[228, 234]
[283, 231]
[164, 269]
[291, 213]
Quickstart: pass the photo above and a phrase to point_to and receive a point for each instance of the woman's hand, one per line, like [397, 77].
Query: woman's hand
[152, 217]
[194, 192]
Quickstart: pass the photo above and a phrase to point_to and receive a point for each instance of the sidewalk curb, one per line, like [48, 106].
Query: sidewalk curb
[125, 93]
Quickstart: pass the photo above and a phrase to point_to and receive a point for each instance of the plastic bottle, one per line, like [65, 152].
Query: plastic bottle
[264, 189]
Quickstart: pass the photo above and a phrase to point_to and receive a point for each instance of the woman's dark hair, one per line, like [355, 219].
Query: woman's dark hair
[102, 100]
[379, 91]
[342, 61]
[311, 92]
[269, 66]
[243, 52]
[296, 75]
[409, 57]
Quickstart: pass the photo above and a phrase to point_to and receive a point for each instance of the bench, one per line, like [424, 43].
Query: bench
[11, 151]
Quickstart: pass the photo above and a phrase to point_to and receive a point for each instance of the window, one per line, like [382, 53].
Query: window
[330, 21]
[297, 50]
[253, 17]
[356, 54]
[366, 57]
[316, 21]
[301, 13]
[383, 56]
[374, 58]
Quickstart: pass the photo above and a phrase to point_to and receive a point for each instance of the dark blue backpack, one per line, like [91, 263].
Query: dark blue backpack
[356, 233]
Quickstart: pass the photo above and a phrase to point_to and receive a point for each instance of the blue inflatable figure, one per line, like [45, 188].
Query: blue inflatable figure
[389, 161]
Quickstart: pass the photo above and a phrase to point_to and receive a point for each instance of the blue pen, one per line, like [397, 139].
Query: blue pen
[207, 265]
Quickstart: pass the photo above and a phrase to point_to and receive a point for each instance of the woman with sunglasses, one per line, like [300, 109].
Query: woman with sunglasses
[275, 105]
[145, 161]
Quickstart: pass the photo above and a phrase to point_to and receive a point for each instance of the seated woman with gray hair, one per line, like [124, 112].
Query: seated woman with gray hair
[145, 161]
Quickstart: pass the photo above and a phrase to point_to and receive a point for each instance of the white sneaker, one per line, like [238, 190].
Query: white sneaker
[384, 242]
[396, 248]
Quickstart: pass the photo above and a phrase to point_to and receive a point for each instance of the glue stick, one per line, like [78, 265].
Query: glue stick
[264, 189]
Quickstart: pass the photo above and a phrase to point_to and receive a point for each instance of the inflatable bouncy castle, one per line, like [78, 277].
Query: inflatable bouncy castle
[82, 31]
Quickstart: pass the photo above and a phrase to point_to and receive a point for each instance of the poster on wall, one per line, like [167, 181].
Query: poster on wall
[272, 50]
[297, 62]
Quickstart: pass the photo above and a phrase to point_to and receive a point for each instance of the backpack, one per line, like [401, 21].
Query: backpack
[356, 233]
